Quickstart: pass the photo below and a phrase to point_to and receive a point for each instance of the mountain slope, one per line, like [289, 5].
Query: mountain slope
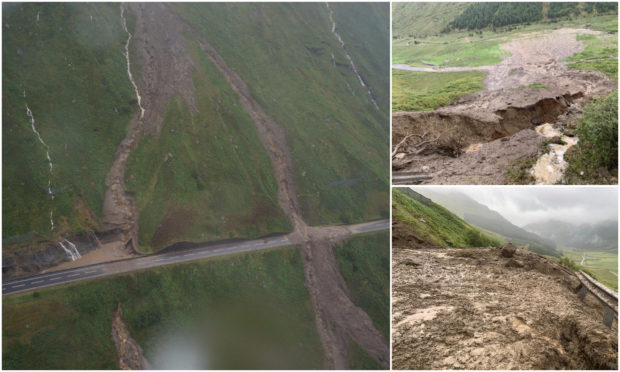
[196, 169]
[480, 215]
[589, 237]
[432, 224]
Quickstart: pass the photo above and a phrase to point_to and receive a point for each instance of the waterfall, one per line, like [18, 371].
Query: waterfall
[72, 251]
[353, 67]
[135, 87]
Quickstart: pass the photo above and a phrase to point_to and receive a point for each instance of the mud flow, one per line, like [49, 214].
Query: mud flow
[477, 138]
[473, 308]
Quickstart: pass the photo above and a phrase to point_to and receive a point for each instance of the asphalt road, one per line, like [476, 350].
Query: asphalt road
[140, 263]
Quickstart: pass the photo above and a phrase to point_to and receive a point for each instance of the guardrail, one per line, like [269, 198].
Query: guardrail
[409, 178]
[607, 297]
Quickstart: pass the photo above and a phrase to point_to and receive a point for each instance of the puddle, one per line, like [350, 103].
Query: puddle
[549, 168]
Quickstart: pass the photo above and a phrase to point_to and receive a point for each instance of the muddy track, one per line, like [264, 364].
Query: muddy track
[336, 315]
[472, 308]
[506, 106]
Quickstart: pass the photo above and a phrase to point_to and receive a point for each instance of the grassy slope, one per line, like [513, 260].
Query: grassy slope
[601, 53]
[74, 75]
[424, 18]
[601, 265]
[246, 311]
[283, 52]
[466, 48]
[364, 265]
[218, 184]
[426, 91]
[440, 224]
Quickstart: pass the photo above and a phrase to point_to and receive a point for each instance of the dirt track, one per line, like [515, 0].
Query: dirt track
[473, 309]
[506, 106]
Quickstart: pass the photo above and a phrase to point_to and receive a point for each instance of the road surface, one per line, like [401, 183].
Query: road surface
[145, 262]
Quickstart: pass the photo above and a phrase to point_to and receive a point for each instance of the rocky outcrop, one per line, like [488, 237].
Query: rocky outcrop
[32, 257]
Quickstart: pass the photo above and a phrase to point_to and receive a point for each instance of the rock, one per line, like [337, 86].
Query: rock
[400, 155]
[508, 250]
[410, 262]
[513, 263]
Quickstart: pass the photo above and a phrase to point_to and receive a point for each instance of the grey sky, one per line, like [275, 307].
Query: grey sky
[523, 205]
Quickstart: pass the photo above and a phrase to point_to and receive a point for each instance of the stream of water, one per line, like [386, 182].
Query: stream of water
[549, 168]
[135, 86]
[353, 67]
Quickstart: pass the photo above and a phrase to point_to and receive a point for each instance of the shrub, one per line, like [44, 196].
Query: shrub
[598, 132]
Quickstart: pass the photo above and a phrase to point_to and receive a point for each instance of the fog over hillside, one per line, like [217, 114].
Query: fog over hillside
[577, 205]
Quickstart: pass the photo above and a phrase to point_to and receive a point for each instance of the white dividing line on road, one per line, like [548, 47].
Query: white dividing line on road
[18, 285]
[90, 272]
[159, 260]
[38, 281]
[75, 274]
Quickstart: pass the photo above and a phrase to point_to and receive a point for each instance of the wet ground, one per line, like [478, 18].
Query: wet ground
[508, 105]
[472, 308]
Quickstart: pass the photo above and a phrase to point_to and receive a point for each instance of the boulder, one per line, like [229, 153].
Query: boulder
[508, 250]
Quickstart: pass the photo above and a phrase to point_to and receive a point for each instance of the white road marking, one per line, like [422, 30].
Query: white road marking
[90, 272]
[18, 285]
[76, 274]
[38, 281]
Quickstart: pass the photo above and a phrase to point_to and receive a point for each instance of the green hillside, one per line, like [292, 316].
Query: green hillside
[232, 312]
[435, 224]
[71, 73]
[483, 217]
[286, 61]
[203, 174]
[421, 19]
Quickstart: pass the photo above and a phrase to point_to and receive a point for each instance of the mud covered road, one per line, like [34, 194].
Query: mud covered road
[530, 88]
[471, 308]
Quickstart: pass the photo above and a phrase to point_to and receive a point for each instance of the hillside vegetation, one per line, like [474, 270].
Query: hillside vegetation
[201, 173]
[481, 216]
[433, 223]
[65, 63]
[225, 313]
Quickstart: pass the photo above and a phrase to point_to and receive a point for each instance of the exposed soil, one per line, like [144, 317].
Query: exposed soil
[507, 106]
[130, 354]
[473, 308]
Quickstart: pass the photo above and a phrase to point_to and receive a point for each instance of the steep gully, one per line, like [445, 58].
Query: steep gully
[337, 317]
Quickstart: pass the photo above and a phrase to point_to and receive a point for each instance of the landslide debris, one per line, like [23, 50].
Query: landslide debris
[473, 308]
[531, 87]
[130, 354]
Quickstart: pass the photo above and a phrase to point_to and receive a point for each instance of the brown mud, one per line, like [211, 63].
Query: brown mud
[130, 354]
[506, 106]
[472, 308]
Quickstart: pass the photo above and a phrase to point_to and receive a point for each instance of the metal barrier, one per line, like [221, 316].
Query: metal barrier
[607, 297]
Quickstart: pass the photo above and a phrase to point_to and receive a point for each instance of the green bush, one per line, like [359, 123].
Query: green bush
[475, 238]
[598, 132]
[568, 263]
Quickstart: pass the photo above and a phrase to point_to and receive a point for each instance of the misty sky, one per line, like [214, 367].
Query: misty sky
[523, 205]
